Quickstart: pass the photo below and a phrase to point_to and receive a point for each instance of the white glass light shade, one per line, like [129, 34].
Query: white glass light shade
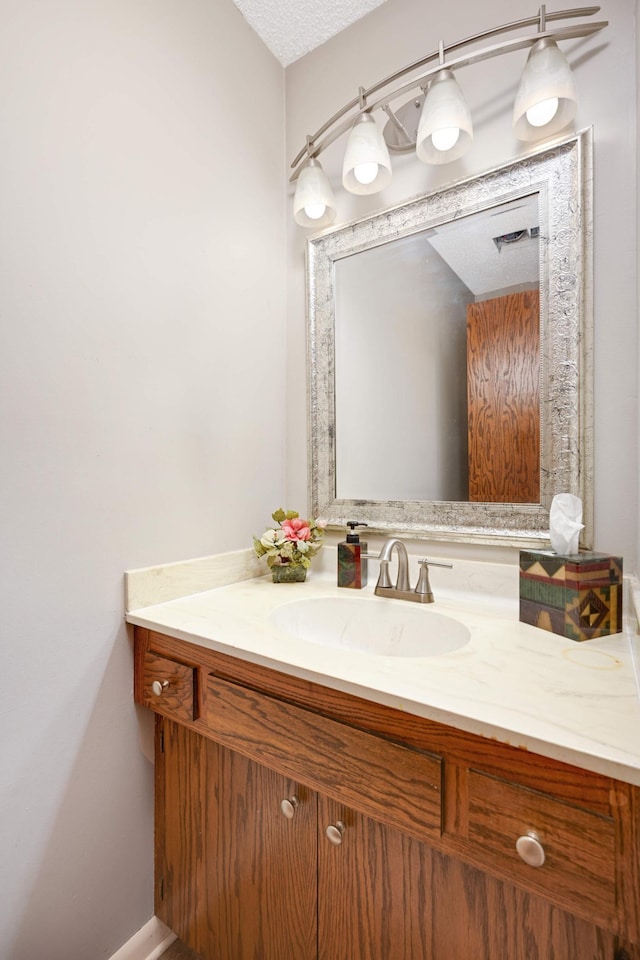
[444, 112]
[546, 78]
[367, 164]
[313, 204]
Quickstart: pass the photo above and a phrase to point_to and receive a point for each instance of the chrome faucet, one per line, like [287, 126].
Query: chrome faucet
[402, 582]
[402, 589]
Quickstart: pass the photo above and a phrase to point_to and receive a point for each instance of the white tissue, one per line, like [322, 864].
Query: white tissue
[565, 523]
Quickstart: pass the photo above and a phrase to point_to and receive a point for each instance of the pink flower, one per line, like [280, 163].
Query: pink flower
[296, 529]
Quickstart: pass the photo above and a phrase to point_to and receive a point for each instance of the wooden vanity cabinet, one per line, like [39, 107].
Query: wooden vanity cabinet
[236, 879]
[424, 820]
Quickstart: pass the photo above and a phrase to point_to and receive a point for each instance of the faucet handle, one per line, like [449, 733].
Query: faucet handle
[423, 587]
[435, 563]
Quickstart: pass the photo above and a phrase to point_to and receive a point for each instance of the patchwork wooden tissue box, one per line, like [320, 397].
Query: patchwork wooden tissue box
[577, 596]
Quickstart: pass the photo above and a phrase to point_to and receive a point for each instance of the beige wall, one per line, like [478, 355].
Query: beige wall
[142, 367]
[401, 31]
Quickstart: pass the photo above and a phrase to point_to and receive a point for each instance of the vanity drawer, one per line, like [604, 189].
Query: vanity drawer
[167, 686]
[578, 846]
[377, 777]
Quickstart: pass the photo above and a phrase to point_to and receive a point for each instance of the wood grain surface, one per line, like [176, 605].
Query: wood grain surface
[431, 816]
[503, 399]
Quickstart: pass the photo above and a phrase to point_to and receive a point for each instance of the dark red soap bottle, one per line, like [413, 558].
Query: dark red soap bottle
[352, 562]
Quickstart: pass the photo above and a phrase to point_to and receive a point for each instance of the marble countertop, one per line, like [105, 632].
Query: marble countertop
[575, 702]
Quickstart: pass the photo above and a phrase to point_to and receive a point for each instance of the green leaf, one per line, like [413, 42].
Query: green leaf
[279, 515]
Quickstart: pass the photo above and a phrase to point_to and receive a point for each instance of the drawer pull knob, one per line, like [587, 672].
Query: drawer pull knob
[530, 849]
[288, 807]
[335, 832]
[158, 687]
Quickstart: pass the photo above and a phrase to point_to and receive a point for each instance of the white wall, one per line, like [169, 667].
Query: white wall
[141, 408]
[401, 31]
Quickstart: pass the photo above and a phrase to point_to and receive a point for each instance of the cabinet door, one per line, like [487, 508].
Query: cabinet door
[237, 878]
[382, 895]
[481, 918]
[374, 890]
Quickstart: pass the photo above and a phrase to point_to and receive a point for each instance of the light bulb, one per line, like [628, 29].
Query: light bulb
[366, 167]
[366, 172]
[541, 113]
[445, 138]
[315, 210]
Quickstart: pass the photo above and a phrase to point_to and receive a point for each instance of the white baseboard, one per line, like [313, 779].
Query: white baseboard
[148, 943]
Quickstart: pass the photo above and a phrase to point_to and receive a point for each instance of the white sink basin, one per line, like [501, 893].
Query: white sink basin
[385, 628]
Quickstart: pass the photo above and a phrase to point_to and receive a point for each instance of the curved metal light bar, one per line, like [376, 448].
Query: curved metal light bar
[336, 126]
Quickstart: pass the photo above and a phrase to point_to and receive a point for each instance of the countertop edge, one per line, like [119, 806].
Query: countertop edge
[148, 587]
[576, 756]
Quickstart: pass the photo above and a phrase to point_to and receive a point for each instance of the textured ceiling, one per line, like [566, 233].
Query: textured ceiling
[485, 266]
[291, 28]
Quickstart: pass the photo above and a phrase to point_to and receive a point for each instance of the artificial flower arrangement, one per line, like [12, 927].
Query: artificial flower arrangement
[293, 541]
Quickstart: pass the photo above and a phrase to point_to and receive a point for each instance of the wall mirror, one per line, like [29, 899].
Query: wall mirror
[450, 356]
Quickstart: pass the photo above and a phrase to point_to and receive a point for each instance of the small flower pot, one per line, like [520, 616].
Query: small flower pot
[288, 573]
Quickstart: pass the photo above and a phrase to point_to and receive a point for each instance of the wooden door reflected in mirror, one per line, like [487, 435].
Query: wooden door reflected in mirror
[503, 391]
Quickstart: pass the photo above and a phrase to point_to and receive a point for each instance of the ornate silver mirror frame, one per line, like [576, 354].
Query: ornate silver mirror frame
[562, 176]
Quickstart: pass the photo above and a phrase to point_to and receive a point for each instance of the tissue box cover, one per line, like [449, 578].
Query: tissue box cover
[577, 596]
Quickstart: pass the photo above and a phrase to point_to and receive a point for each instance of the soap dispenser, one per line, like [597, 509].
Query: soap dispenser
[352, 562]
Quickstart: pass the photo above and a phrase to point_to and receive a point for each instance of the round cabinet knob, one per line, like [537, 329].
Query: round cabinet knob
[158, 687]
[288, 807]
[335, 832]
[530, 849]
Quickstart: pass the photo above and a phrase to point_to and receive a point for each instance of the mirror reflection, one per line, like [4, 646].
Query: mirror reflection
[437, 362]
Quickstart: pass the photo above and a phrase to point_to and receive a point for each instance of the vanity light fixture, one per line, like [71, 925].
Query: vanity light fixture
[445, 130]
[367, 164]
[314, 204]
[546, 97]
[545, 104]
